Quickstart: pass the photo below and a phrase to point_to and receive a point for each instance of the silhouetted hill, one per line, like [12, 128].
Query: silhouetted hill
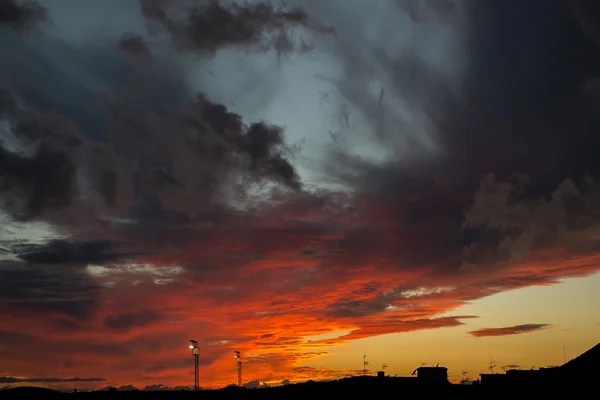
[588, 360]
[586, 366]
[29, 393]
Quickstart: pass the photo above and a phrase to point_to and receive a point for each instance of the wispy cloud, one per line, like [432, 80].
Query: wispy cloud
[12, 379]
[509, 330]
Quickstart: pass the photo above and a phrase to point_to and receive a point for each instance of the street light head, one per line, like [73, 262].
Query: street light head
[191, 347]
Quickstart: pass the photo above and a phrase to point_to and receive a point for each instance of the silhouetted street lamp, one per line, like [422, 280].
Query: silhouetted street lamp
[238, 357]
[196, 353]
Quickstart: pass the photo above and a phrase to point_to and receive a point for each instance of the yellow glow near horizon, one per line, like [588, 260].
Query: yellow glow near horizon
[570, 307]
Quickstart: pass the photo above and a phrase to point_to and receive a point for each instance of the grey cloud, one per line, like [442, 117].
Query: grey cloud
[212, 147]
[213, 26]
[134, 44]
[19, 16]
[62, 252]
[127, 388]
[524, 223]
[256, 384]
[62, 288]
[11, 379]
[8, 105]
[160, 387]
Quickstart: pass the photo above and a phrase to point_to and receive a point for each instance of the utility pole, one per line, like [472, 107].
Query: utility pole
[196, 353]
[365, 363]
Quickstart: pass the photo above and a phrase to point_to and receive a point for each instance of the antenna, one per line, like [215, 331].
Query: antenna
[464, 377]
[365, 363]
[383, 367]
[491, 365]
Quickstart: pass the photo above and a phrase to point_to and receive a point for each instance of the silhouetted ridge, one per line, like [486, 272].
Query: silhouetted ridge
[29, 392]
[587, 362]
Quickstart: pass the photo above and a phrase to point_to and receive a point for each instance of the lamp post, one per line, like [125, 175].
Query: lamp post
[196, 353]
[238, 358]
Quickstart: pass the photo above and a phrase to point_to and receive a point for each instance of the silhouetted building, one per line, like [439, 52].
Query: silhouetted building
[380, 374]
[439, 374]
[494, 379]
[520, 377]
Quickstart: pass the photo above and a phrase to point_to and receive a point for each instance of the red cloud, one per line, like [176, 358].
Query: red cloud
[510, 330]
[260, 285]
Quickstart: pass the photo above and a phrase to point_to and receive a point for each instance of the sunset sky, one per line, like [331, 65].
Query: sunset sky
[415, 181]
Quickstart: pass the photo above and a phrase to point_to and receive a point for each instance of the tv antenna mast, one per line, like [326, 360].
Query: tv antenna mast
[196, 353]
[238, 358]
[491, 365]
[383, 367]
[365, 363]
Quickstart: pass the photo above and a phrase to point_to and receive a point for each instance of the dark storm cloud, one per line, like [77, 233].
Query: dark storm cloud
[19, 15]
[174, 163]
[522, 112]
[62, 252]
[526, 223]
[521, 82]
[134, 44]
[8, 105]
[529, 115]
[207, 149]
[64, 289]
[212, 26]
[46, 180]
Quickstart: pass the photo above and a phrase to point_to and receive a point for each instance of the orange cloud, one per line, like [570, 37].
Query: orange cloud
[510, 330]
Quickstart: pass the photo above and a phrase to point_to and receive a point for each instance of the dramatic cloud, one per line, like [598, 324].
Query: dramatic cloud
[510, 330]
[19, 16]
[171, 176]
